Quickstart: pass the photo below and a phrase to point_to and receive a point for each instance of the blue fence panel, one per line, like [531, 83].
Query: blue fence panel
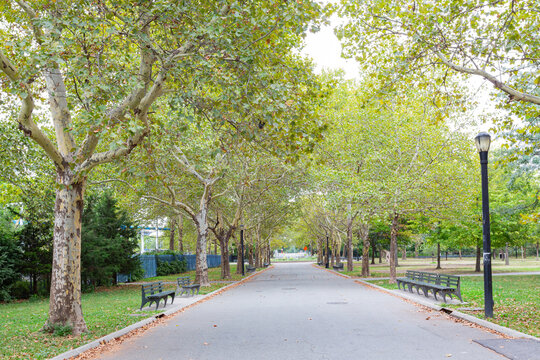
[149, 264]
[213, 260]
[190, 260]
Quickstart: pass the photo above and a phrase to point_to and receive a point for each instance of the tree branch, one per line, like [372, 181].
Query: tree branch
[513, 93]
[26, 124]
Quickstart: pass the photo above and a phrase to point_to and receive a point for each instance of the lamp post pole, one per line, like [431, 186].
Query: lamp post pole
[483, 141]
[242, 248]
[327, 253]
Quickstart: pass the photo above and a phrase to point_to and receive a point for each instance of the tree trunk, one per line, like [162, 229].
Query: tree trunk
[537, 248]
[478, 257]
[251, 259]
[506, 258]
[350, 265]
[225, 266]
[523, 255]
[238, 257]
[446, 255]
[373, 247]
[416, 249]
[380, 254]
[65, 297]
[404, 254]
[201, 266]
[364, 235]
[320, 257]
[171, 237]
[438, 256]
[393, 248]
[181, 234]
[459, 251]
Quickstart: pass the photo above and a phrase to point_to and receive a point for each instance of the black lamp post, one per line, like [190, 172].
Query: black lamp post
[483, 141]
[327, 253]
[242, 248]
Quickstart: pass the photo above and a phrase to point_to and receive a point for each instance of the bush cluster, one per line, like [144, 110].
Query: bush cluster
[173, 267]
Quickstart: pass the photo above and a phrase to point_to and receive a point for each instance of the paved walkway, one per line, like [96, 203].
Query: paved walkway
[296, 311]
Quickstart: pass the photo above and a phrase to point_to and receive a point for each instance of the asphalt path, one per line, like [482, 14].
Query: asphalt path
[297, 311]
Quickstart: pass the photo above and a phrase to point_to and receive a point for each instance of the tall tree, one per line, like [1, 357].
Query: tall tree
[103, 65]
[403, 41]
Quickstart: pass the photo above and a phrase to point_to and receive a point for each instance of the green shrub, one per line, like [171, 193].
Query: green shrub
[21, 290]
[164, 268]
[137, 274]
[179, 266]
[109, 240]
[10, 255]
[174, 267]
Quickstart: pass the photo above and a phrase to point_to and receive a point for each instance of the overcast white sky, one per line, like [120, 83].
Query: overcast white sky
[325, 50]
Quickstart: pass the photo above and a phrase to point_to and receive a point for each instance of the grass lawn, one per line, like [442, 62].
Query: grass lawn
[517, 300]
[450, 266]
[106, 310]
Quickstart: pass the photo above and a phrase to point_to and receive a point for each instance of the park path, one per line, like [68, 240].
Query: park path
[297, 311]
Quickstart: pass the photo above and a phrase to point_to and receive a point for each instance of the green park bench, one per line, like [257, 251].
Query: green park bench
[250, 268]
[426, 281]
[338, 266]
[184, 285]
[153, 292]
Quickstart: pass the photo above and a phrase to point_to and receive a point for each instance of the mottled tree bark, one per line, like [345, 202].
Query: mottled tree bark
[181, 233]
[172, 231]
[393, 248]
[225, 266]
[373, 247]
[65, 298]
[350, 265]
[506, 257]
[201, 266]
[238, 260]
[364, 235]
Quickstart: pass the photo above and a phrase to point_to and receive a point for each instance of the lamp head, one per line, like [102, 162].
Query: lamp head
[241, 226]
[482, 140]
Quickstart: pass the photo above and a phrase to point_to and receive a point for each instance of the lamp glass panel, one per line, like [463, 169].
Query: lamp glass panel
[483, 140]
